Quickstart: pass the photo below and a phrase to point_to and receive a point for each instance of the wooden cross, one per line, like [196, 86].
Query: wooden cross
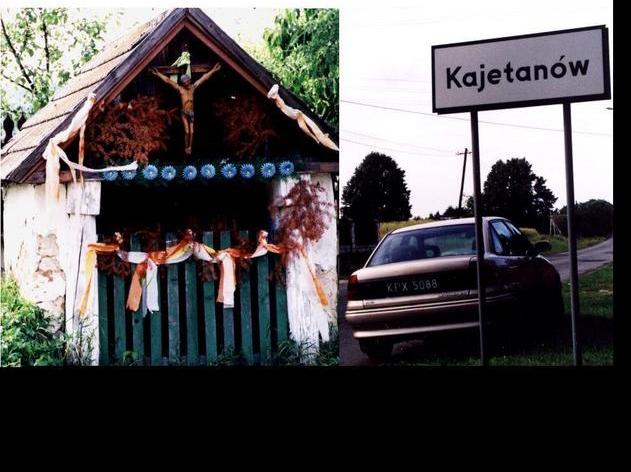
[174, 70]
[187, 92]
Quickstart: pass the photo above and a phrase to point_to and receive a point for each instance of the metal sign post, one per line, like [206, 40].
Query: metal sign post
[479, 236]
[571, 235]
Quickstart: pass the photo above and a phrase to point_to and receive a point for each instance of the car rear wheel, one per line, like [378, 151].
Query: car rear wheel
[376, 349]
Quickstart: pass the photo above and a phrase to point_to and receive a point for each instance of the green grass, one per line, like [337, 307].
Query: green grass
[552, 348]
[596, 293]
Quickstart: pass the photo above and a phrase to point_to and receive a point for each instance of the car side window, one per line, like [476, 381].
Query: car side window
[519, 243]
[501, 238]
[497, 244]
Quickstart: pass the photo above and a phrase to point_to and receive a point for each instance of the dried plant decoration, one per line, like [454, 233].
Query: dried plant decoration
[130, 130]
[305, 218]
[247, 124]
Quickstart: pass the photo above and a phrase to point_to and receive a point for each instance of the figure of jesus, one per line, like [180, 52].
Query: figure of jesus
[187, 91]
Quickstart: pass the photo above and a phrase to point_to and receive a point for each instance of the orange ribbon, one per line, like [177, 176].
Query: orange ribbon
[134, 296]
[316, 282]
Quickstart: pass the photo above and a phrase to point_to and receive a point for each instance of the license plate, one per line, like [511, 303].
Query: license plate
[412, 286]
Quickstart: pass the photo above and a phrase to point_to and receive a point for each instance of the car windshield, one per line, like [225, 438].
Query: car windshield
[425, 243]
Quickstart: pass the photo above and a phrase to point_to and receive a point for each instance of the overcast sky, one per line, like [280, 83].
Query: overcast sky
[385, 60]
[245, 25]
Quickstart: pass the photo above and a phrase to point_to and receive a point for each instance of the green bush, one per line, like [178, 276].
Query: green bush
[530, 232]
[591, 218]
[24, 331]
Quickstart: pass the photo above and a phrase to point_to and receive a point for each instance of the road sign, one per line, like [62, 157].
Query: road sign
[535, 69]
[517, 71]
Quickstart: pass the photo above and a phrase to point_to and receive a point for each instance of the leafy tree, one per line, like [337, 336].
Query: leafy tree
[512, 190]
[41, 49]
[377, 191]
[591, 218]
[301, 50]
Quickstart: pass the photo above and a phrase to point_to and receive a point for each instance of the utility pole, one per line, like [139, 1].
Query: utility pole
[464, 166]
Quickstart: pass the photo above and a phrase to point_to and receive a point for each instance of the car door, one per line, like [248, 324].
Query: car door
[516, 269]
[506, 265]
[527, 268]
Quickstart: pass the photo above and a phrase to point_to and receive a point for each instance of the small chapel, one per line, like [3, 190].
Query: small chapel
[173, 203]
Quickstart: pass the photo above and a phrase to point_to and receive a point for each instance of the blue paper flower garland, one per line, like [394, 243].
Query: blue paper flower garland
[247, 171]
[207, 171]
[268, 170]
[189, 173]
[128, 174]
[168, 173]
[286, 168]
[150, 172]
[229, 171]
[110, 175]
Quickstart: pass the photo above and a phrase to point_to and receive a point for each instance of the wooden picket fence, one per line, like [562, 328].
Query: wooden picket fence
[191, 328]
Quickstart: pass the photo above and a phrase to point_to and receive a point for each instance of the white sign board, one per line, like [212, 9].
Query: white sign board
[535, 69]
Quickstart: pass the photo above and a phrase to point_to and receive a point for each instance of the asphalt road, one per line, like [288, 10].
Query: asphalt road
[588, 259]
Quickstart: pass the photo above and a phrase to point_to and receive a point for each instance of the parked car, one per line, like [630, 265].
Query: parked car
[422, 279]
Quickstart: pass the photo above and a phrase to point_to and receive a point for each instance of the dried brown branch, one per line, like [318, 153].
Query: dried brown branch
[46, 49]
[15, 82]
[307, 216]
[248, 126]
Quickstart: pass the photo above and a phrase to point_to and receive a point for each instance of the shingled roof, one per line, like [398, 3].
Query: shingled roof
[112, 69]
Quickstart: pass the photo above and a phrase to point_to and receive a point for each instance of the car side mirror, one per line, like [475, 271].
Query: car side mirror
[539, 247]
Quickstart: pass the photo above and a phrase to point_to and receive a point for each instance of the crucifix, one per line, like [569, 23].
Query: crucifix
[186, 89]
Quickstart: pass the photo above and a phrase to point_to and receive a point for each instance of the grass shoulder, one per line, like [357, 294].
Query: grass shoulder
[560, 243]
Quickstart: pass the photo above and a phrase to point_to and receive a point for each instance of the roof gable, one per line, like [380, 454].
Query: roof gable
[110, 71]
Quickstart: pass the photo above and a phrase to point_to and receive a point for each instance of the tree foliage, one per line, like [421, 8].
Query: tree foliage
[377, 191]
[41, 49]
[302, 51]
[591, 218]
[512, 190]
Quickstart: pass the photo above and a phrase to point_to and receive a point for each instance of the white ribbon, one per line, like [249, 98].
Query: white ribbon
[305, 123]
[54, 152]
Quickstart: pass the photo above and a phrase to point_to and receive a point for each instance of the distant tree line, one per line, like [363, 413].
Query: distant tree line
[514, 191]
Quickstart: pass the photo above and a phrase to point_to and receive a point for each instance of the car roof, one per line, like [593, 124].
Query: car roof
[451, 222]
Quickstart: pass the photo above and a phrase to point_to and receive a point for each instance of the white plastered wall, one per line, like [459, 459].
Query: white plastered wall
[44, 245]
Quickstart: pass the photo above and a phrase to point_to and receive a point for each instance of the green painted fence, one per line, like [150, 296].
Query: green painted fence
[191, 328]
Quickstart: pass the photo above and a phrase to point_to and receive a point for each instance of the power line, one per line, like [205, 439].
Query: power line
[416, 112]
[393, 149]
[393, 79]
[397, 142]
